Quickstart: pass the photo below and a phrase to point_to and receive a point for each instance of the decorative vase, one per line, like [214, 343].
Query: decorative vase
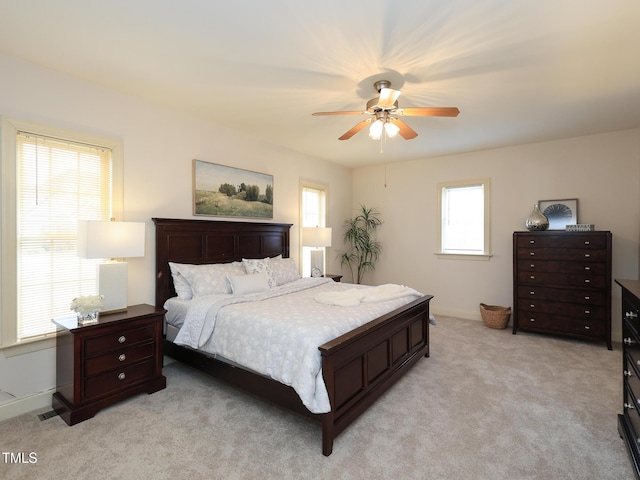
[536, 221]
[87, 317]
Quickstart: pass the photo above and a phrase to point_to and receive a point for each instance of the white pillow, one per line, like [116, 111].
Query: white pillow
[260, 265]
[179, 272]
[212, 278]
[284, 269]
[243, 284]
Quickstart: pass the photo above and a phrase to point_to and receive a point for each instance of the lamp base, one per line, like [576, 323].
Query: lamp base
[317, 262]
[112, 285]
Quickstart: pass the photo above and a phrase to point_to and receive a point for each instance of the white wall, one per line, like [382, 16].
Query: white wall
[159, 145]
[601, 171]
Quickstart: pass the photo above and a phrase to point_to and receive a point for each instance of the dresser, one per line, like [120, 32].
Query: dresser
[105, 362]
[562, 284]
[629, 420]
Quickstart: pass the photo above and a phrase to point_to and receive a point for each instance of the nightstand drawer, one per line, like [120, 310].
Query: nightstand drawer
[100, 345]
[117, 379]
[119, 358]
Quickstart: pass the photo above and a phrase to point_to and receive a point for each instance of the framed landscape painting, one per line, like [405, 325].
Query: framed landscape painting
[219, 190]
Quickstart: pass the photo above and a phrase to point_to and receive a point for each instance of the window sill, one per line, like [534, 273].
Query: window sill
[29, 346]
[481, 257]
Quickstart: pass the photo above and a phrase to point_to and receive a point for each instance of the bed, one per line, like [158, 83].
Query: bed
[356, 366]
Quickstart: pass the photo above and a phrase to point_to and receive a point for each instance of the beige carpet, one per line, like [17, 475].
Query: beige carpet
[487, 405]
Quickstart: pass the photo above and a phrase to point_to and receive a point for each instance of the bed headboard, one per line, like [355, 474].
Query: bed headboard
[203, 241]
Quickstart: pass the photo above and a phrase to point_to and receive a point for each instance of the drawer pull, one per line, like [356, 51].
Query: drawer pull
[627, 373]
[532, 292]
[587, 312]
[122, 339]
[121, 376]
[587, 242]
[587, 327]
[122, 357]
[532, 306]
[631, 315]
[587, 297]
[627, 341]
[532, 277]
[533, 254]
[532, 242]
[587, 268]
[533, 265]
[587, 255]
[532, 319]
[587, 281]
[629, 406]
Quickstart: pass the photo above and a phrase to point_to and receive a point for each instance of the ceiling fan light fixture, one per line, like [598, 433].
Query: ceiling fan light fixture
[391, 129]
[375, 130]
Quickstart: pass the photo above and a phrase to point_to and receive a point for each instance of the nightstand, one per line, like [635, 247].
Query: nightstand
[335, 278]
[105, 362]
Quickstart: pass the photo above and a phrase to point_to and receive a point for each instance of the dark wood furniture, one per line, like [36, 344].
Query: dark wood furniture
[357, 367]
[562, 284]
[629, 420]
[105, 362]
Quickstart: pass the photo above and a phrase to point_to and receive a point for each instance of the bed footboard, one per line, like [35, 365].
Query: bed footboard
[361, 365]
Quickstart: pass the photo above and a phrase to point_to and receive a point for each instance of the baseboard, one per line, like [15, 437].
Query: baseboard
[20, 406]
[449, 312]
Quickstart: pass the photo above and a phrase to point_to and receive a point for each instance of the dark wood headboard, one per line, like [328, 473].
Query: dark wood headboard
[203, 241]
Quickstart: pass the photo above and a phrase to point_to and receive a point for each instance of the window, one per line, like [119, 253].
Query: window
[313, 213]
[464, 218]
[50, 180]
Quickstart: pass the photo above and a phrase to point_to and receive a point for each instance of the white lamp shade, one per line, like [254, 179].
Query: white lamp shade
[316, 236]
[110, 239]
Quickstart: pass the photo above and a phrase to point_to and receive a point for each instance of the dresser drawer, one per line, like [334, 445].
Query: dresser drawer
[587, 326]
[99, 345]
[115, 380]
[119, 358]
[563, 240]
[538, 266]
[580, 310]
[585, 280]
[630, 314]
[563, 254]
[586, 297]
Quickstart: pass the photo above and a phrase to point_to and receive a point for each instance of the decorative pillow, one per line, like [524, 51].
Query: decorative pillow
[212, 278]
[260, 265]
[284, 269]
[180, 274]
[243, 284]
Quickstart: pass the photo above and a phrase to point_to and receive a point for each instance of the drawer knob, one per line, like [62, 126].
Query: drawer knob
[631, 315]
[122, 357]
[121, 376]
[627, 341]
[122, 339]
[629, 406]
[532, 277]
[627, 373]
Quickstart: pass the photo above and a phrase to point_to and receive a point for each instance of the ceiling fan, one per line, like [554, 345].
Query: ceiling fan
[382, 111]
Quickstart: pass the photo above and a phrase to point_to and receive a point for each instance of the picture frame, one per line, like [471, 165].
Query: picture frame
[560, 213]
[221, 190]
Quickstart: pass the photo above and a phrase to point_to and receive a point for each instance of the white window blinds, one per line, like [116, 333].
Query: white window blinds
[58, 183]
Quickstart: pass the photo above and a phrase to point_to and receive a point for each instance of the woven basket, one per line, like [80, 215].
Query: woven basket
[495, 316]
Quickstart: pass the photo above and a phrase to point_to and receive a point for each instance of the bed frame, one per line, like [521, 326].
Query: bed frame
[358, 367]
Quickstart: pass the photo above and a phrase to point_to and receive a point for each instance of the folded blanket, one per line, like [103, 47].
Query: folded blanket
[356, 296]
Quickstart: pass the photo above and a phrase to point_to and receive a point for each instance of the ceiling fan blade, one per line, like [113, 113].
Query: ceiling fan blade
[355, 129]
[428, 112]
[405, 131]
[359, 112]
[388, 97]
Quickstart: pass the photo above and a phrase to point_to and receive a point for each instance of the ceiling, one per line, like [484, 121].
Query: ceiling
[519, 71]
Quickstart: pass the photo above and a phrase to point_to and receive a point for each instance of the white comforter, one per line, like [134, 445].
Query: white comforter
[277, 333]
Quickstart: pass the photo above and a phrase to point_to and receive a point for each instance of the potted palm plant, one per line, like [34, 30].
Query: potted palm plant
[363, 251]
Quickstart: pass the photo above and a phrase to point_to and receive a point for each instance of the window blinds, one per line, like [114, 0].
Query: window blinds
[59, 182]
